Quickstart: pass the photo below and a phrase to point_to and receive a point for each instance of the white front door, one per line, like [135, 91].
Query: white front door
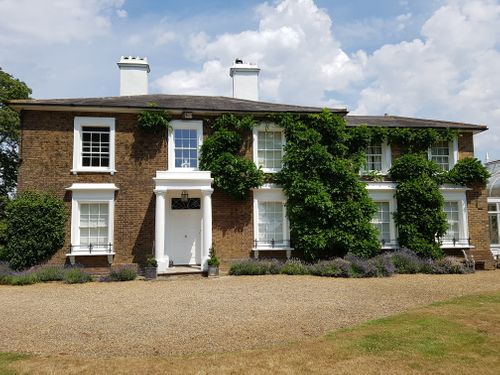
[184, 242]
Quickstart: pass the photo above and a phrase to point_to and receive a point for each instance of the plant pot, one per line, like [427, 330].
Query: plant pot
[150, 273]
[213, 271]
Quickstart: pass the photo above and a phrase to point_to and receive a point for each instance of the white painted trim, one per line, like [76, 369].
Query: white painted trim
[91, 193]
[80, 187]
[183, 124]
[255, 143]
[458, 196]
[270, 194]
[81, 121]
[384, 192]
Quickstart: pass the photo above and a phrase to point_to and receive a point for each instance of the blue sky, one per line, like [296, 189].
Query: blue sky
[423, 58]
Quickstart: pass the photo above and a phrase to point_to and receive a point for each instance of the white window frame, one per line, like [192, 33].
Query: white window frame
[453, 157]
[454, 193]
[270, 193]
[495, 248]
[183, 124]
[91, 193]
[82, 121]
[386, 160]
[262, 128]
[384, 192]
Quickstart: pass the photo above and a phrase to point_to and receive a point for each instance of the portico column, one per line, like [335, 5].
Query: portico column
[160, 230]
[207, 226]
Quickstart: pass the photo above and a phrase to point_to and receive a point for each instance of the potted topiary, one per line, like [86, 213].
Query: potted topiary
[213, 264]
[150, 268]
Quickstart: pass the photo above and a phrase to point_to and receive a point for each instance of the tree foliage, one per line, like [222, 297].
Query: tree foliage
[328, 206]
[420, 217]
[220, 154]
[35, 228]
[467, 172]
[10, 88]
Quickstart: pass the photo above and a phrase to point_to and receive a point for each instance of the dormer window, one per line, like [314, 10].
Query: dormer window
[184, 142]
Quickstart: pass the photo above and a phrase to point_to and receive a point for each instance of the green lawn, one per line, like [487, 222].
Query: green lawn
[460, 336]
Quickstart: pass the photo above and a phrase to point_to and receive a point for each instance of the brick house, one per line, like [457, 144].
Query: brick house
[132, 194]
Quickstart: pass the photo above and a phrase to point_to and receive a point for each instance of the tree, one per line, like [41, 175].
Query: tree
[10, 88]
[328, 206]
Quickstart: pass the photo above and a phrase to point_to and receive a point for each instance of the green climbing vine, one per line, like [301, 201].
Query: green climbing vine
[153, 119]
[222, 153]
[327, 204]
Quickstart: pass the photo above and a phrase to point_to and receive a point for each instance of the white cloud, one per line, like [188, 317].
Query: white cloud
[293, 45]
[121, 13]
[451, 71]
[55, 21]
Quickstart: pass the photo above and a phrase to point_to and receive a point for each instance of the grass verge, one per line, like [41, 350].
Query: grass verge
[8, 358]
[460, 336]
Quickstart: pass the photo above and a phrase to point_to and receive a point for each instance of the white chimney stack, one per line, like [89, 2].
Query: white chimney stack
[133, 75]
[245, 80]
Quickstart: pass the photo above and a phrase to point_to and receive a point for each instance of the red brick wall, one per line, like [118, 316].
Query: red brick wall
[47, 158]
[477, 205]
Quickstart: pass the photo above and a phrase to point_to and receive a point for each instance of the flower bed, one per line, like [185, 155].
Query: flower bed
[384, 265]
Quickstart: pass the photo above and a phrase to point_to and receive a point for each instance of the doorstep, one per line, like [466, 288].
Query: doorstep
[181, 271]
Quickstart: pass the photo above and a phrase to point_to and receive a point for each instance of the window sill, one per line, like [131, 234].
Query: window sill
[93, 170]
[456, 246]
[271, 170]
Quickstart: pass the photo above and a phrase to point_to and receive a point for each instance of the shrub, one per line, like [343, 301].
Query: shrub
[383, 265]
[21, 279]
[76, 276]
[449, 265]
[361, 267]
[50, 273]
[213, 260]
[35, 228]
[406, 261]
[249, 267]
[294, 267]
[331, 268]
[123, 274]
[151, 262]
[273, 266]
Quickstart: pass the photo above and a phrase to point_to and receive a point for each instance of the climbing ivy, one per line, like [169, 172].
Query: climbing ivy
[153, 120]
[222, 154]
[420, 217]
[328, 206]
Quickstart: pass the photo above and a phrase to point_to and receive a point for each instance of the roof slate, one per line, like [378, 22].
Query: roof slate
[222, 104]
[176, 102]
[409, 122]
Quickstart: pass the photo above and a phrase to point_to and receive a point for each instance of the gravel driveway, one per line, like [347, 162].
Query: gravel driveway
[206, 315]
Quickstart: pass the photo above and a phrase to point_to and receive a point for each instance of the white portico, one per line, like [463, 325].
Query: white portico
[183, 219]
